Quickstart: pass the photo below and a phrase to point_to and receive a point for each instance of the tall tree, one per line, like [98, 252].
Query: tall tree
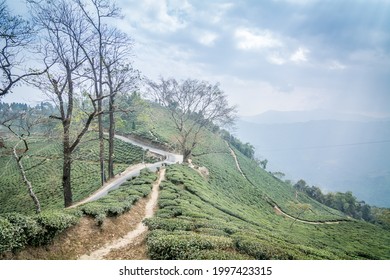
[95, 13]
[65, 31]
[121, 77]
[193, 106]
[15, 35]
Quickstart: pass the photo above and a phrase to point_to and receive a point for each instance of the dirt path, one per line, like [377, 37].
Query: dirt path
[276, 207]
[278, 210]
[235, 159]
[132, 235]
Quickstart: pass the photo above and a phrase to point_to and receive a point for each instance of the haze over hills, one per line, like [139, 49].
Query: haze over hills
[272, 117]
[338, 152]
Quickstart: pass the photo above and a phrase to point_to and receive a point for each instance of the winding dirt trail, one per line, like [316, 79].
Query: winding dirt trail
[132, 235]
[276, 207]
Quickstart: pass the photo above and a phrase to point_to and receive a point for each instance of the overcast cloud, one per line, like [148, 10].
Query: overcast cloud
[269, 55]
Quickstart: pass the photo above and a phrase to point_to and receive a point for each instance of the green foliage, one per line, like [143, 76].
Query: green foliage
[227, 205]
[183, 246]
[246, 149]
[9, 236]
[344, 202]
[381, 216]
[18, 230]
[122, 199]
[259, 249]
[43, 165]
[52, 222]
[29, 227]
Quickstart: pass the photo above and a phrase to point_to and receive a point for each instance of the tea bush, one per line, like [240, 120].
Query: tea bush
[52, 222]
[9, 236]
[18, 230]
[170, 246]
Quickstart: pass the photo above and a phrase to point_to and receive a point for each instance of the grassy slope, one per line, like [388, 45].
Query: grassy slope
[227, 216]
[222, 216]
[44, 167]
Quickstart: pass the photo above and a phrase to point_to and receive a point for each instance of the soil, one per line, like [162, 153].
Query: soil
[132, 239]
[86, 238]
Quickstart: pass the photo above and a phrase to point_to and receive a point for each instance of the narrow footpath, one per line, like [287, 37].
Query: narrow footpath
[140, 229]
[276, 207]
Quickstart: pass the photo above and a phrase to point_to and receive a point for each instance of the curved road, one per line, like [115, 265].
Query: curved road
[133, 170]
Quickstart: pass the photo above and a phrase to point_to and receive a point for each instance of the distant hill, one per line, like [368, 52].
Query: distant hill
[337, 155]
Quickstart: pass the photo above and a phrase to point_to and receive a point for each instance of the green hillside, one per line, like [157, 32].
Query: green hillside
[222, 206]
[43, 165]
[226, 215]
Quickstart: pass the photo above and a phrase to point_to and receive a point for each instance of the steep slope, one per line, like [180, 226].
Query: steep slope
[221, 214]
[223, 206]
[225, 217]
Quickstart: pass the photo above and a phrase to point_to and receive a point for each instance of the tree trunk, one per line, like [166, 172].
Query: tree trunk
[101, 145]
[67, 167]
[186, 154]
[27, 182]
[111, 135]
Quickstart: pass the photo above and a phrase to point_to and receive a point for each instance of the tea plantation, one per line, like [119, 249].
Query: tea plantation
[43, 165]
[221, 207]
[229, 215]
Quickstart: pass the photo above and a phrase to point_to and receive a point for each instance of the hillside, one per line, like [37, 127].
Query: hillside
[225, 216]
[336, 155]
[43, 167]
[222, 206]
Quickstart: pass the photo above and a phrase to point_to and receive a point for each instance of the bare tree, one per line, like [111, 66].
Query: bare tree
[193, 106]
[21, 125]
[15, 35]
[65, 32]
[95, 12]
[121, 77]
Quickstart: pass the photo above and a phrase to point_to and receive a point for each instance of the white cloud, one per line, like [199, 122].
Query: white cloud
[299, 55]
[207, 38]
[159, 16]
[248, 39]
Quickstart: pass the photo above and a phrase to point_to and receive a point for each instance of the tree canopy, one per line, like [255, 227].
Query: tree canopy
[193, 105]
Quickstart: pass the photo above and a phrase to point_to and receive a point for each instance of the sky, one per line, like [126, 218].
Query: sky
[285, 55]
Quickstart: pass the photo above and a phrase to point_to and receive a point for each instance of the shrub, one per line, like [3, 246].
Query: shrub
[29, 228]
[144, 190]
[212, 231]
[222, 255]
[171, 246]
[259, 249]
[169, 224]
[93, 208]
[10, 236]
[52, 222]
[166, 202]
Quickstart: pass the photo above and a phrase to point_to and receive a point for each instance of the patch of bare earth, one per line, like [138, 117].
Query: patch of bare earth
[134, 240]
[87, 237]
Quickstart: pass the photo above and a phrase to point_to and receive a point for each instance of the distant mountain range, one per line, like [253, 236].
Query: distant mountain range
[338, 152]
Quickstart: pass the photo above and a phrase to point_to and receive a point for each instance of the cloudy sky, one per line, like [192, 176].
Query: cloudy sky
[269, 55]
